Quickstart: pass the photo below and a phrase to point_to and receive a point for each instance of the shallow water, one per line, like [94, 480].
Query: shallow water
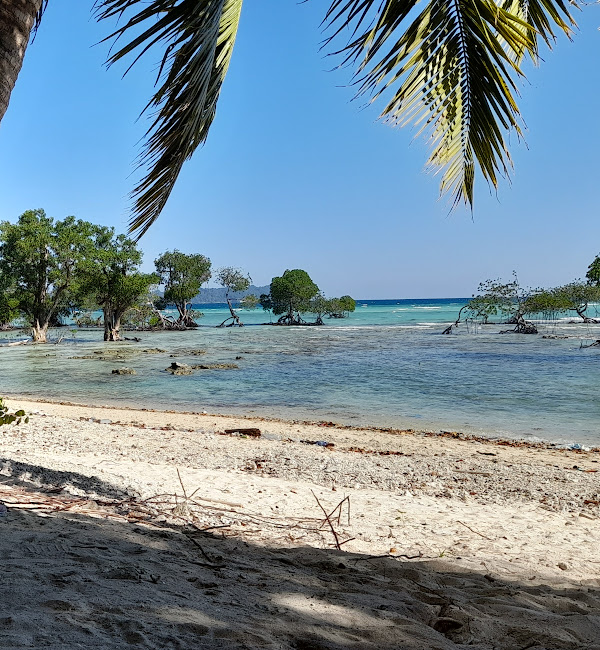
[386, 365]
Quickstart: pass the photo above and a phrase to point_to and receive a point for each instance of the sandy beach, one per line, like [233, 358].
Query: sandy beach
[131, 528]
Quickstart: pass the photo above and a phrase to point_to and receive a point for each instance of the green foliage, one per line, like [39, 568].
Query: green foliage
[593, 273]
[250, 301]
[233, 279]
[341, 307]
[496, 298]
[6, 417]
[576, 296]
[109, 277]
[292, 293]
[182, 276]
[265, 301]
[333, 307]
[40, 257]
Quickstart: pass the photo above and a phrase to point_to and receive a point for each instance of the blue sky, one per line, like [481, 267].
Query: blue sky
[296, 175]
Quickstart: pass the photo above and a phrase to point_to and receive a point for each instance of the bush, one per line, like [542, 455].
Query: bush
[6, 417]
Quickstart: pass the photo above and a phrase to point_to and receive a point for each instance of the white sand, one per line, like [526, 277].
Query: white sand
[507, 547]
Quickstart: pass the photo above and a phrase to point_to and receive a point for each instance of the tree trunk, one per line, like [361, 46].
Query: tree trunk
[234, 318]
[112, 325]
[581, 313]
[17, 18]
[39, 331]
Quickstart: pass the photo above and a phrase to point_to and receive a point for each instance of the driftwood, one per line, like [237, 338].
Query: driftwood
[248, 431]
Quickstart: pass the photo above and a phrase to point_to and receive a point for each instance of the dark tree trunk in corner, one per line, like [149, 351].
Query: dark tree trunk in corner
[17, 18]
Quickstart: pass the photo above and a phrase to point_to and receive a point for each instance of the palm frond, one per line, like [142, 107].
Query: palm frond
[38, 16]
[452, 72]
[198, 37]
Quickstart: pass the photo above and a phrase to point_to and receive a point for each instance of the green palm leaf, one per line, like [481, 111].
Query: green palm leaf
[198, 36]
[452, 72]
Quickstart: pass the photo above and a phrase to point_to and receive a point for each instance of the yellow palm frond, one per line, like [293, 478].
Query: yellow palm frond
[452, 72]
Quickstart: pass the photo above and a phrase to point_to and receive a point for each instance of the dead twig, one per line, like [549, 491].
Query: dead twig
[328, 517]
[212, 564]
[474, 531]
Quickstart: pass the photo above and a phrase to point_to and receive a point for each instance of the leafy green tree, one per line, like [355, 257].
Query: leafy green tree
[506, 299]
[319, 305]
[576, 296]
[250, 301]
[182, 276]
[234, 281]
[290, 295]
[41, 257]
[110, 278]
[593, 273]
[341, 307]
[450, 66]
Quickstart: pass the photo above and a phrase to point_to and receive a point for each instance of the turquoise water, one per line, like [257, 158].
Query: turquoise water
[386, 365]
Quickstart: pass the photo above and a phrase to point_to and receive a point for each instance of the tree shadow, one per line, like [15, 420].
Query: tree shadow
[72, 581]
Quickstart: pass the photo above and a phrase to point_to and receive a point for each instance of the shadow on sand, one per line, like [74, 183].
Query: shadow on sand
[76, 581]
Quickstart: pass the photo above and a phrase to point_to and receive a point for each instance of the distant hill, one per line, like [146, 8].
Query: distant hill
[217, 294]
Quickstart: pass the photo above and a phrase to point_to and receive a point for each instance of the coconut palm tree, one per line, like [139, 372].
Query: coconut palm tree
[451, 67]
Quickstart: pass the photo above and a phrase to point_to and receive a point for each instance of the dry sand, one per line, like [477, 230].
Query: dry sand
[453, 543]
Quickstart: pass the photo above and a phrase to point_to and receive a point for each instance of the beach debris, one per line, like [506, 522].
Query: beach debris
[180, 369]
[474, 531]
[124, 371]
[252, 432]
[319, 443]
[563, 566]
[328, 519]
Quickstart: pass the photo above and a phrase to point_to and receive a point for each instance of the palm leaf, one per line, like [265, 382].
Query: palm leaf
[198, 37]
[452, 72]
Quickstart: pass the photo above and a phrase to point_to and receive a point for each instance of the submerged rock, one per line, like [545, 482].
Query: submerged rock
[215, 366]
[153, 351]
[124, 371]
[180, 369]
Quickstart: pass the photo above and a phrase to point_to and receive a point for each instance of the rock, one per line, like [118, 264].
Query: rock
[124, 371]
[215, 366]
[153, 351]
[180, 369]
[563, 566]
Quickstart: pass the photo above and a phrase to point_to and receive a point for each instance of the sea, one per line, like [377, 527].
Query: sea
[386, 365]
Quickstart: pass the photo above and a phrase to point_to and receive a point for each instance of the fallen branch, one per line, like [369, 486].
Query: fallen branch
[474, 531]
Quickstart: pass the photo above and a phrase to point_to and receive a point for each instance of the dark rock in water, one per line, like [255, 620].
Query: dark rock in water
[180, 369]
[153, 351]
[215, 366]
[124, 371]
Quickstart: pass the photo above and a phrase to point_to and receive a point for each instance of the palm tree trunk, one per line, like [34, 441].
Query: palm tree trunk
[17, 18]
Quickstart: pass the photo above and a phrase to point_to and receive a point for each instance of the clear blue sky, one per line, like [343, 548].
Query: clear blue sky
[296, 175]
